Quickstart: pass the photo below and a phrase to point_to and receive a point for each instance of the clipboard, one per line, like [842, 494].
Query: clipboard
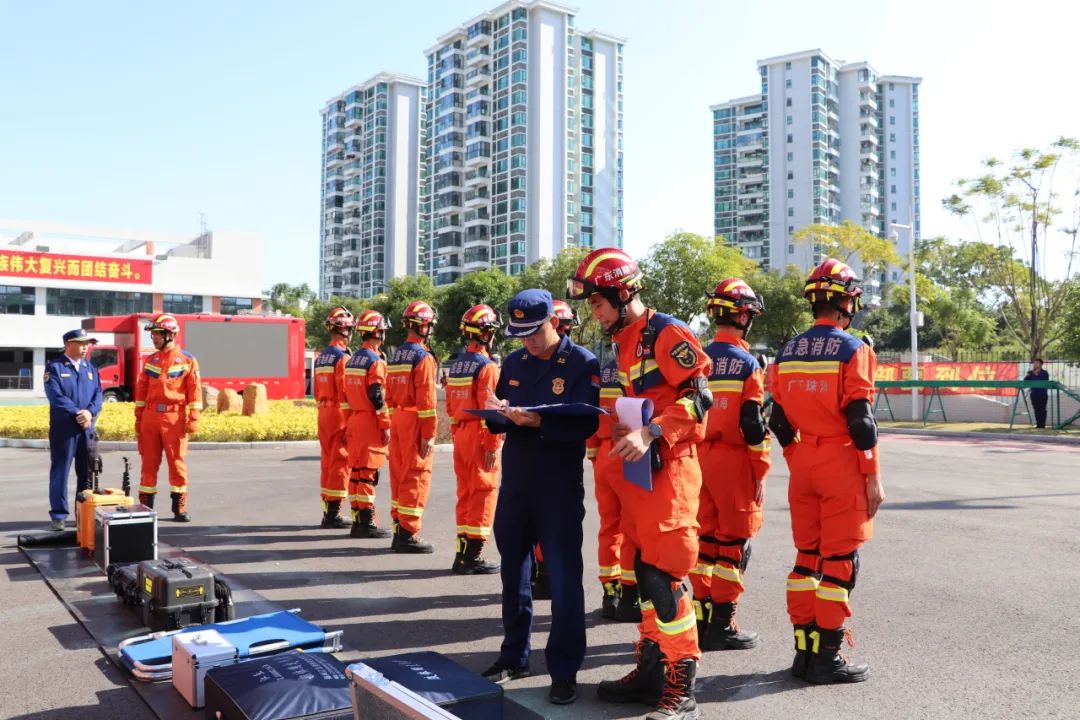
[576, 408]
[636, 412]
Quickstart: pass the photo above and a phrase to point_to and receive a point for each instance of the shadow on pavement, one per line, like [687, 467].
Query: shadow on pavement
[722, 688]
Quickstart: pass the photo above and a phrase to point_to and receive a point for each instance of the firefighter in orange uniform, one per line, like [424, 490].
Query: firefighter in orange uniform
[367, 423]
[168, 401]
[615, 552]
[330, 393]
[734, 460]
[660, 359]
[823, 392]
[411, 395]
[471, 382]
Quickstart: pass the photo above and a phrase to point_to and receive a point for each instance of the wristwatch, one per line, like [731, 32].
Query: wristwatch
[655, 430]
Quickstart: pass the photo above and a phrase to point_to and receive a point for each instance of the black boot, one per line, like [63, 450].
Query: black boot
[629, 607]
[411, 544]
[827, 665]
[803, 642]
[643, 684]
[611, 600]
[723, 632]
[179, 507]
[330, 518]
[147, 499]
[677, 702]
[541, 583]
[364, 525]
[462, 543]
[473, 562]
[703, 609]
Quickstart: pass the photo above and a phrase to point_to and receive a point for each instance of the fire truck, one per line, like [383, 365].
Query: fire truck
[233, 351]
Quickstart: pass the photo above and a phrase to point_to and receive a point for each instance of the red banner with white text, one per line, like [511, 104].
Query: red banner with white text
[945, 371]
[85, 268]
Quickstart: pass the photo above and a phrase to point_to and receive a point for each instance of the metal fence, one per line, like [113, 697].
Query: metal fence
[1066, 372]
[16, 382]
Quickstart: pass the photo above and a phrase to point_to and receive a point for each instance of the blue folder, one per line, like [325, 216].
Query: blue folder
[639, 472]
[576, 408]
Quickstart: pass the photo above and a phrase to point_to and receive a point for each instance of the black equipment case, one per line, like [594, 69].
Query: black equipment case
[289, 686]
[176, 593]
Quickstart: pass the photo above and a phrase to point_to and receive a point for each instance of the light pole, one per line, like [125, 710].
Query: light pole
[913, 315]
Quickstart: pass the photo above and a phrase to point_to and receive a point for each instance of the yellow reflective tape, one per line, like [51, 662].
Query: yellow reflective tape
[453, 420]
[324, 370]
[196, 406]
[425, 413]
[151, 366]
[727, 573]
[459, 382]
[140, 403]
[147, 490]
[726, 385]
[345, 406]
[762, 447]
[835, 594]
[813, 367]
[606, 570]
[611, 392]
[355, 371]
[590, 453]
[629, 577]
[679, 625]
[601, 258]
[411, 511]
[643, 368]
[339, 494]
[358, 498]
[802, 584]
[647, 605]
[396, 369]
[704, 569]
[393, 504]
[688, 406]
[178, 488]
[481, 530]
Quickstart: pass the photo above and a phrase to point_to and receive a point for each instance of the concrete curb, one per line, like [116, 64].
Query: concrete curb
[125, 445]
[946, 434]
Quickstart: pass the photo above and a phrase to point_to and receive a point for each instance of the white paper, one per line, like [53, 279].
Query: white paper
[629, 411]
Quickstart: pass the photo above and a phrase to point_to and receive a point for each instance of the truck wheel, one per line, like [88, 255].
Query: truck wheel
[111, 396]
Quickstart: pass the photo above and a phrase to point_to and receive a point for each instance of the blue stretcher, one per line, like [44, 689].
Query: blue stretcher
[149, 657]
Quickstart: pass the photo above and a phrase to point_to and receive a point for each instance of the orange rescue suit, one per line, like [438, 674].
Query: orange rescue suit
[329, 393]
[411, 396]
[662, 523]
[168, 401]
[365, 425]
[818, 374]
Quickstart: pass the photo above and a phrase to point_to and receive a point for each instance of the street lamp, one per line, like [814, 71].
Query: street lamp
[913, 318]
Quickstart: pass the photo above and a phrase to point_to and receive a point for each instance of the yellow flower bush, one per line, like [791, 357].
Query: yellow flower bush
[287, 420]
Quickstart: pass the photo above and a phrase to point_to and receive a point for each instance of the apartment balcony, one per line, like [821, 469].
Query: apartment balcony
[751, 210]
[477, 38]
[870, 206]
[749, 160]
[750, 177]
[477, 160]
[753, 226]
[477, 222]
[756, 194]
[869, 135]
[473, 179]
[477, 265]
[868, 152]
[475, 199]
[478, 76]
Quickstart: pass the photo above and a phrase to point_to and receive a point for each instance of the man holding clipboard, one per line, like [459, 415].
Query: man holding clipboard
[660, 364]
[542, 497]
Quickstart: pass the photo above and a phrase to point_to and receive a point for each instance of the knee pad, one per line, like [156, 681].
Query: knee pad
[803, 569]
[744, 543]
[661, 589]
[849, 585]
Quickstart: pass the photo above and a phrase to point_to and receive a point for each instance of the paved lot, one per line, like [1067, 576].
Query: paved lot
[967, 606]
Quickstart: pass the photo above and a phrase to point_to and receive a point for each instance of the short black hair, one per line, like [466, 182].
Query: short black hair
[819, 306]
[1038, 360]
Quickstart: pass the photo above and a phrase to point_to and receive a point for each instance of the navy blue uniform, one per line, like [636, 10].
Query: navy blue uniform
[542, 499]
[1038, 396]
[69, 391]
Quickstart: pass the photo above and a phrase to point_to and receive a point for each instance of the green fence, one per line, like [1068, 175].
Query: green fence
[936, 386]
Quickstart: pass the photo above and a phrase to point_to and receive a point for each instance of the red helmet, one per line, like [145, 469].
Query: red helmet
[339, 319]
[832, 281]
[608, 271]
[568, 317]
[479, 322]
[164, 323]
[371, 321]
[419, 313]
[733, 296]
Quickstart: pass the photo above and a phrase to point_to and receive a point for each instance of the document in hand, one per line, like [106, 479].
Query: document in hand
[559, 409]
[636, 412]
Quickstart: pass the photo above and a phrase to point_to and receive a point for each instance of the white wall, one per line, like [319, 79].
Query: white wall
[546, 141]
[605, 142]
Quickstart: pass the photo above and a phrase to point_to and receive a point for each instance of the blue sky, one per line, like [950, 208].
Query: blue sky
[141, 115]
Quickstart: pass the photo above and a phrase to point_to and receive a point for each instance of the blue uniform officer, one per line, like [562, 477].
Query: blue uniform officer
[542, 498]
[74, 391]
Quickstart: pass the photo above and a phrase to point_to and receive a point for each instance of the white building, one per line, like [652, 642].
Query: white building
[824, 142]
[52, 276]
[371, 186]
[524, 133]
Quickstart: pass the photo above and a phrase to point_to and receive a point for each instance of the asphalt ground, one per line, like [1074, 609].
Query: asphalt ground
[967, 606]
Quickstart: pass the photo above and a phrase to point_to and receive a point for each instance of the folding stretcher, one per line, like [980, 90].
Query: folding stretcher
[149, 657]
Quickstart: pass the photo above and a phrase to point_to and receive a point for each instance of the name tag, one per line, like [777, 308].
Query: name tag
[514, 383]
[63, 375]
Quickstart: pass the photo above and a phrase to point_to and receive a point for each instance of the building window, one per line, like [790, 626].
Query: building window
[183, 304]
[791, 212]
[790, 175]
[892, 137]
[790, 156]
[892, 119]
[87, 303]
[236, 305]
[893, 207]
[791, 228]
[789, 102]
[892, 154]
[790, 249]
[790, 120]
[15, 300]
[892, 171]
[791, 194]
[892, 102]
[892, 189]
[790, 139]
[788, 82]
[787, 66]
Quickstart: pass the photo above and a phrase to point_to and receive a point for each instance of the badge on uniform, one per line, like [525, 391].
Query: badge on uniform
[89, 376]
[684, 355]
[558, 386]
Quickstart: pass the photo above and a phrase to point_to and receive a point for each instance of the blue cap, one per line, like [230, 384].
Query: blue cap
[528, 311]
[79, 336]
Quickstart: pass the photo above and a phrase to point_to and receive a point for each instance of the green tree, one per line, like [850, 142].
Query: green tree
[315, 314]
[1017, 206]
[290, 299]
[1069, 345]
[786, 311]
[491, 286]
[401, 291]
[551, 275]
[848, 241]
[682, 270]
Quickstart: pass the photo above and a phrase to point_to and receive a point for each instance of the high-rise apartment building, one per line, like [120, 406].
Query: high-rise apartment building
[524, 120]
[824, 142]
[372, 191]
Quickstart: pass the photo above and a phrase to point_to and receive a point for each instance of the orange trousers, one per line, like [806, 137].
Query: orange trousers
[162, 432]
[615, 553]
[662, 525]
[333, 457]
[829, 522]
[477, 488]
[366, 454]
[410, 475]
[728, 516]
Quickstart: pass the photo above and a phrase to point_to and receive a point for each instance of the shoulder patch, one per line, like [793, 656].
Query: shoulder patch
[46, 376]
[684, 354]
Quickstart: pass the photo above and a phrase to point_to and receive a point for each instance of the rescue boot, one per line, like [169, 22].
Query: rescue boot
[472, 560]
[629, 607]
[179, 507]
[723, 632]
[147, 499]
[703, 609]
[541, 583]
[801, 662]
[828, 666]
[330, 519]
[677, 701]
[406, 542]
[364, 526]
[644, 684]
[611, 600]
[460, 543]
